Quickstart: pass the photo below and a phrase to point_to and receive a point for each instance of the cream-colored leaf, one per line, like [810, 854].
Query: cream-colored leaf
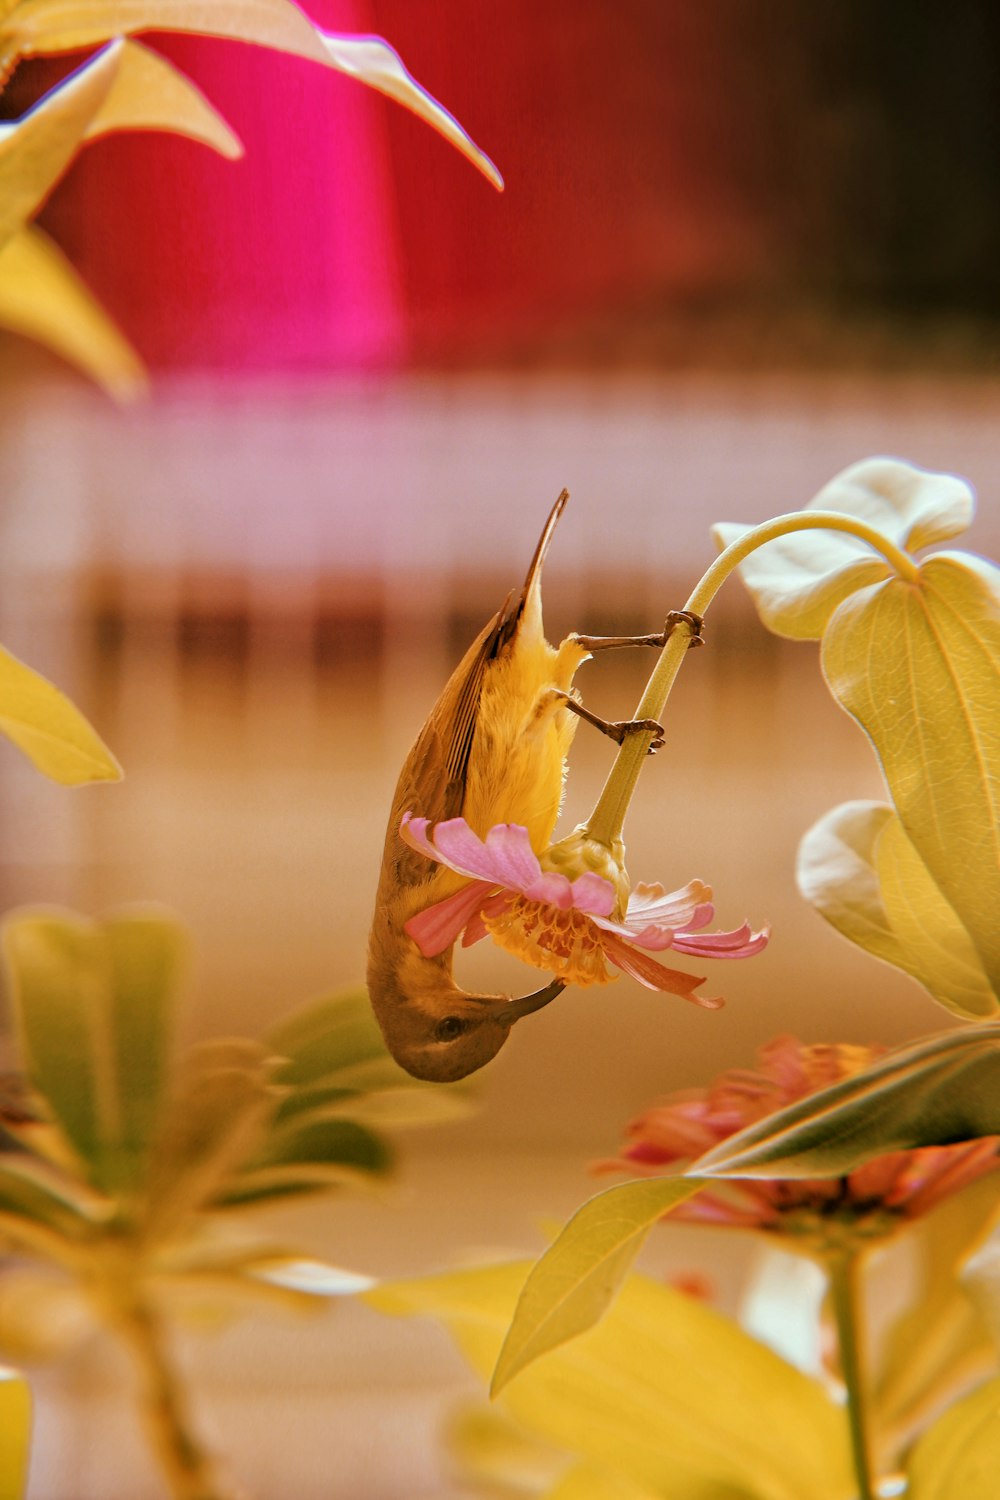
[15, 1435]
[42, 297]
[35, 26]
[665, 1391]
[919, 668]
[37, 149]
[124, 87]
[577, 1278]
[53, 734]
[799, 580]
[836, 874]
[959, 1458]
[860, 871]
[374, 62]
[148, 93]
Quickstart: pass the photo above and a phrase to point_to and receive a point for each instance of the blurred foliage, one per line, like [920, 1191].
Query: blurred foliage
[667, 1399]
[127, 87]
[123, 1165]
[53, 734]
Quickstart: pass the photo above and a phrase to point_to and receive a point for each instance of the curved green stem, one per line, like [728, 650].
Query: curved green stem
[608, 818]
[842, 1267]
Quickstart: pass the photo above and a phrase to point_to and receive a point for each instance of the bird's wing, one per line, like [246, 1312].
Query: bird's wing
[433, 779]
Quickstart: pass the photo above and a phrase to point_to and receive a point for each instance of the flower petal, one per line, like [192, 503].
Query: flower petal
[741, 943]
[514, 862]
[651, 903]
[653, 975]
[593, 894]
[436, 929]
[551, 889]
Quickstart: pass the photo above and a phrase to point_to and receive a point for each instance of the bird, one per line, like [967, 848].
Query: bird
[493, 749]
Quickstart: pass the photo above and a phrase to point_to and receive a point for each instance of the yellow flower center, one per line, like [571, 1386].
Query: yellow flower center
[567, 942]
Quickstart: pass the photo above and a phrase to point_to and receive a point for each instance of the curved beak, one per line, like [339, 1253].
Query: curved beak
[512, 1010]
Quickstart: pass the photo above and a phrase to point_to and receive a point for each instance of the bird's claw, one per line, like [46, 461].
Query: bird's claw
[695, 623]
[622, 727]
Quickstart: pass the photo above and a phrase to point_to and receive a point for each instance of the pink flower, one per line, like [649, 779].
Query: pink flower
[873, 1199]
[564, 925]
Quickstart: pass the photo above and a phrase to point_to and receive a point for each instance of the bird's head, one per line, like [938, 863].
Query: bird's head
[442, 1033]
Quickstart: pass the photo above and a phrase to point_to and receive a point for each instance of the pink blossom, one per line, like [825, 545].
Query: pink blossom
[567, 926]
[874, 1198]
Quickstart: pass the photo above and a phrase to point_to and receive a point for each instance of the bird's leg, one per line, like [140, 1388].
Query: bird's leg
[674, 618]
[615, 729]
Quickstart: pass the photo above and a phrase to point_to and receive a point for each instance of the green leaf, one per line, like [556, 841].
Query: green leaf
[919, 668]
[52, 733]
[328, 1038]
[665, 1392]
[799, 580]
[399, 1108]
[218, 1113]
[577, 1278]
[959, 1458]
[859, 870]
[15, 1435]
[942, 1089]
[35, 26]
[42, 297]
[40, 1212]
[125, 87]
[94, 1004]
[306, 1157]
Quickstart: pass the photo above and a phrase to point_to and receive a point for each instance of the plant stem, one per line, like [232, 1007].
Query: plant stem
[842, 1268]
[608, 818]
[188, 1469]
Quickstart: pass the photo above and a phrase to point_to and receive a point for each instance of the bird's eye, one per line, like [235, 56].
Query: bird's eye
[449, 1028]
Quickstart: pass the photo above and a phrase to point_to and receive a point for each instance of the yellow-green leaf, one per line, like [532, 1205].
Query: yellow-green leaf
[35, 26]
[939, 951]
[940, 1345]
[53, 734]
[94, 1003]
[665, 1391]
[489, 1448]
[919, 668]
[577, 1278]
[860, 871]
[799, 580]
[15, 1435]
[42, 297]
[933, 1092]
[959, 1458]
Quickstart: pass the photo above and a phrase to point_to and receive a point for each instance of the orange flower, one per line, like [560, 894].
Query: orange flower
[871, 1201]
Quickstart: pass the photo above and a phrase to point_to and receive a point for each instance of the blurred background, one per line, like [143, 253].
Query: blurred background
[740, 248]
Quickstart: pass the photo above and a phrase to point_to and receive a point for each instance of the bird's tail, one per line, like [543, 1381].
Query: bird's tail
[526, 613]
